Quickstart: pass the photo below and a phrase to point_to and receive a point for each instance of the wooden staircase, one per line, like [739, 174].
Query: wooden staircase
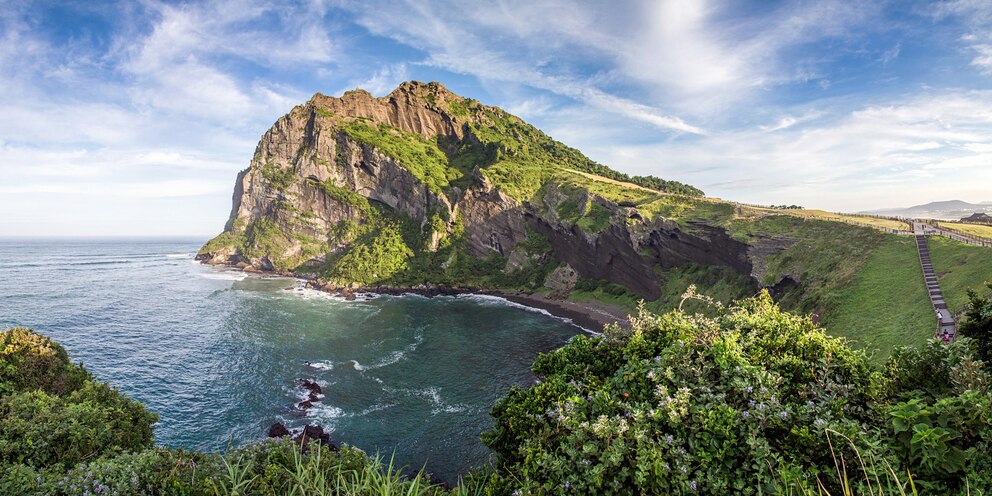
[945, 321]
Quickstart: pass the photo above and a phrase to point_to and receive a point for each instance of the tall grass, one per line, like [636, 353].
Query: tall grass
[317, 471]
[864, 475]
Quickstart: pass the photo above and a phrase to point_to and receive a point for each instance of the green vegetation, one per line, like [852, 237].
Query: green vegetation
[649, 204]
[596, 218]
[886, 304]
[525, 158]
[280, 177]
[460, 108]
[54, 415]
[222, 242]
[959, 267]
[720, 283]
[374, 257]
[751, 401]
[263, 238]
[980, 230]
[865, 284]
[323, 112]
[862, 283]
[345, 196]
[978, 324]
[423, 158]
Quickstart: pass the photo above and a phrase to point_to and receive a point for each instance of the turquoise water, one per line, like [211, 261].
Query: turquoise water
[216, 353]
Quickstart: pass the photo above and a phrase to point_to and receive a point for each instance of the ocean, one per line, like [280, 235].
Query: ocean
[217, 354]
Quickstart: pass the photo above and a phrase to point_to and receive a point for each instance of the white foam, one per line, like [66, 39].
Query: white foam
[393, 357]
[179, 255]
[306, 293]
[433, 396]
[229, 275]
[324, 412]
[499, 300]
[326, 365]
[449, 409]
[372, 409]
[503, 301]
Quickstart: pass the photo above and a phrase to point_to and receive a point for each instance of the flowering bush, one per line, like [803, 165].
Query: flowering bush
[752, 401]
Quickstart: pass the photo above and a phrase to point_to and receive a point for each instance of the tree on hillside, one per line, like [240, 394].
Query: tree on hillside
[978, 325]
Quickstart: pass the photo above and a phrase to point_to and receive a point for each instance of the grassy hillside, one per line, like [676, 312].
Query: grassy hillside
[960, 267]
[863, 284]
[887, 304]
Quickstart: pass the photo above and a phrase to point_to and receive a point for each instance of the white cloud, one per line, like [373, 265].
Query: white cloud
[984, 58]
[977, 18]
[920, 147]
[383, 81]
[477, 41]
[783, 123]
[165, 110]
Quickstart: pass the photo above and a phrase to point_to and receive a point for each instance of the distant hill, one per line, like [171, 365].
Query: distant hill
[978, 217]
[942, 210]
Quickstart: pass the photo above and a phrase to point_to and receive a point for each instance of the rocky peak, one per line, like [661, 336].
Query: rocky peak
[413, 107]
[422, 185]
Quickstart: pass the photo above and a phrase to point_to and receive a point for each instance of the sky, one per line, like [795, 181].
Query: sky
[133, 118]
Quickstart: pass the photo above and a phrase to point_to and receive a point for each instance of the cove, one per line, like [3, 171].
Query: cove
[216, 354]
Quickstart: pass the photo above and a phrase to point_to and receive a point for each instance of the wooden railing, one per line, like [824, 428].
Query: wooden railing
[958, 235]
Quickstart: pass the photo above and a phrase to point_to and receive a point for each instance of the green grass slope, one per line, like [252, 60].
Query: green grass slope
[960, 267]
[887, 304]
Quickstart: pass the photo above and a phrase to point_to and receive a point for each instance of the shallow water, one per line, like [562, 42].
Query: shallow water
[216, 353]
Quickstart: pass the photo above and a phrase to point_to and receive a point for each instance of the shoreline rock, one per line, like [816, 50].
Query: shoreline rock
[591, 316]
[304, 436]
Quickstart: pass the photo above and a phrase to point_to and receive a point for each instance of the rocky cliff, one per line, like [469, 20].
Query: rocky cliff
[423, 186]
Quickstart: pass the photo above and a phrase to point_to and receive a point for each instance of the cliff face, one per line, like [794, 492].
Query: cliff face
[423, 186]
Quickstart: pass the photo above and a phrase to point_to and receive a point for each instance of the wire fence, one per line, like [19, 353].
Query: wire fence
[753, 210]
[957, 235]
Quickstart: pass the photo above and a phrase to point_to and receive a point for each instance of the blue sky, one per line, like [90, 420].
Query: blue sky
[133, 118]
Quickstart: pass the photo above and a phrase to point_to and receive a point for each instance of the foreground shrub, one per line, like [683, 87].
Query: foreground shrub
[53, 414]
[30, 361]
[752, 401]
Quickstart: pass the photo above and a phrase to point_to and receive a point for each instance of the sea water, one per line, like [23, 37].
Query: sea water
[217, 353]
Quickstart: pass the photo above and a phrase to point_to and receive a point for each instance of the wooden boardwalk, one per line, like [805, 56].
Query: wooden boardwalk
[946, 326]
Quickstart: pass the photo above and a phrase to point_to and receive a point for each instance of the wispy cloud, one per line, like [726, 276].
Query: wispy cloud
[919, 147]
[822, 102]
[977, 35]
[461, 40]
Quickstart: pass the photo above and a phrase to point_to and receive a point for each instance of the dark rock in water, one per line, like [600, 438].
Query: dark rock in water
[314, 433]
[311, 386]
[278, 430]
[313, 392]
